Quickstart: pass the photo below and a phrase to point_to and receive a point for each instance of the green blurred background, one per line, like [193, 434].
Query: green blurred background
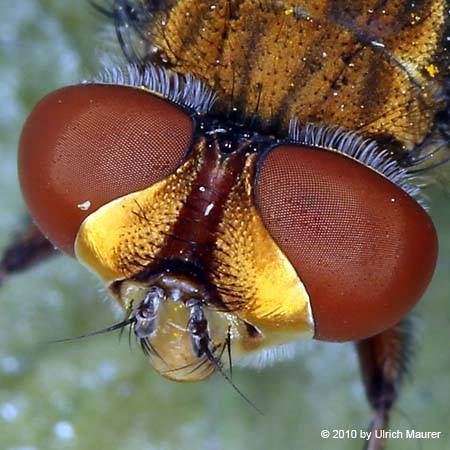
[96, 393]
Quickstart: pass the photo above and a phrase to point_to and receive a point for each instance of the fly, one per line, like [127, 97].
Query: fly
[251, 171]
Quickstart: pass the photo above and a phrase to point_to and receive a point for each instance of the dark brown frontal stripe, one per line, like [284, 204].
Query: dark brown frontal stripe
[193, 234]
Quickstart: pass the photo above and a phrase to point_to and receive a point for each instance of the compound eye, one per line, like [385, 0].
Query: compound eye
[84, 146]
[364, 249]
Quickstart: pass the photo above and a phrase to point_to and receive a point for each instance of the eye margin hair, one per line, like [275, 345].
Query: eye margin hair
[183, 90]
[366, 151]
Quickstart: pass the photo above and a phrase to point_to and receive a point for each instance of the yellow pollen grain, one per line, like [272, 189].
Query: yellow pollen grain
[432, 70]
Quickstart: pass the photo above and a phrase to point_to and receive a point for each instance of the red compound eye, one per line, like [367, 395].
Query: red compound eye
[84, 146]
[364, 249]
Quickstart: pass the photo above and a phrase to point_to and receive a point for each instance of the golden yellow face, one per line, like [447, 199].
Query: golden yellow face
[248, 179]
[113, 241]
